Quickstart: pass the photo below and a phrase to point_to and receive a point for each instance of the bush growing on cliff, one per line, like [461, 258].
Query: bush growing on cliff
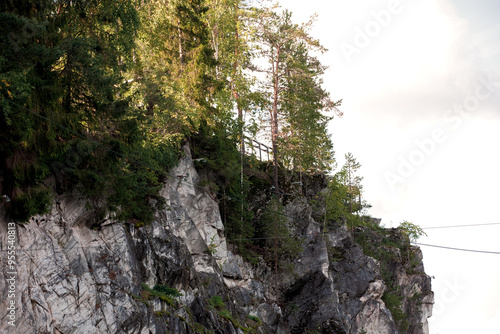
[216, 303]
[163, 292]
[278, 236]
[167, 290]
[393, 300]
[412, 231]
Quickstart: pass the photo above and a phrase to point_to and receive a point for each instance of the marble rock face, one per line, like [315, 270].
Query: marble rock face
[71, 278]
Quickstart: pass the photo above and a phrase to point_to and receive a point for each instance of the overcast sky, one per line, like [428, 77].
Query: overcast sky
[420, 83]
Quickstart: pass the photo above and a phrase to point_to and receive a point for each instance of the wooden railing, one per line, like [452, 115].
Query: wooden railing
[253, 147]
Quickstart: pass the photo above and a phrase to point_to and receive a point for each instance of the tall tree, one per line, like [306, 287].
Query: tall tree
[304, 140]
[175, 67]
[63, 63]
[295, 96]
[230, 26]
[65, 67]
[26, 57]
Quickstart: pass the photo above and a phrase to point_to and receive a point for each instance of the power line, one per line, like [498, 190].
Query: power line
[471, 225]
[458, 249]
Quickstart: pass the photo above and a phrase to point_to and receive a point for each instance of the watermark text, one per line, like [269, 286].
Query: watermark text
[11, 274]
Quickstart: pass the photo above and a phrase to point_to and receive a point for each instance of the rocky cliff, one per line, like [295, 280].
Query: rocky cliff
[74, 274]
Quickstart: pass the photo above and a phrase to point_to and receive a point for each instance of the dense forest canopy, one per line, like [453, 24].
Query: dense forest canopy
[97, 96]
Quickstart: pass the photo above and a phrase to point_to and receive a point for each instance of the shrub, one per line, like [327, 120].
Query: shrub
[394, 302]
[167, 290]
[216, 303]
[163, 292]
[254, 318]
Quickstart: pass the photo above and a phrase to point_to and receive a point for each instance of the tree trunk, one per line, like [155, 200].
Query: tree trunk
[274, 118]
[181, 51]
[236, 96]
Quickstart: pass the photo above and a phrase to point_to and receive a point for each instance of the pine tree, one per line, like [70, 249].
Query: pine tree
[344, 195]
[66, 107]
[305, 143]
[352, 181]
[174, 77]
[293, 87]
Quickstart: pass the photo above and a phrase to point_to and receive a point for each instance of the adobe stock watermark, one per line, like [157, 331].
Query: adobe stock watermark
[11, 274]
[453, 118]
[446, 296]
[363, 37]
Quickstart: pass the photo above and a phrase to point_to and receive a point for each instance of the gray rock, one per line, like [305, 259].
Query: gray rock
[75, 279]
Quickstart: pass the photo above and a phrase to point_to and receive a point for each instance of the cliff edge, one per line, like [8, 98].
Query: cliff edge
[179, 274]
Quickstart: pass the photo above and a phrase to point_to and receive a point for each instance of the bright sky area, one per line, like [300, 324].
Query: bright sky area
[420, 83]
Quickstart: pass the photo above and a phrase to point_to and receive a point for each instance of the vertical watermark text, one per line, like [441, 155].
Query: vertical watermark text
[11, 274]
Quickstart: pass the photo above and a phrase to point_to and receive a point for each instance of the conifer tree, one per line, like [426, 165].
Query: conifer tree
[344, 194]
[175, 68]
[352, 181]
[293, 87]
[228, 22]
[304, 140]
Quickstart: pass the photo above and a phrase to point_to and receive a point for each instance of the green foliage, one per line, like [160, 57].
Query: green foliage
[388, 246]
[167, 290]
[293, 94]
[36, 201]
[100, 94]
[219, 165]
[226, 315]
[352, 182]
[254, 318]
[163, 292]
[212, 247]
[199, 328]
[67, 109]
[123, 186]
[230, 28]
[22, 139]
[304, 140]
[343, 198]
[278, 235]
[174, 74]
[411, 231]
[336, 200]
[216, 303]
[394, 302]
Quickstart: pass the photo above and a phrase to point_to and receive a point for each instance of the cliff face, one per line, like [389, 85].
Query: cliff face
[72, 278]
